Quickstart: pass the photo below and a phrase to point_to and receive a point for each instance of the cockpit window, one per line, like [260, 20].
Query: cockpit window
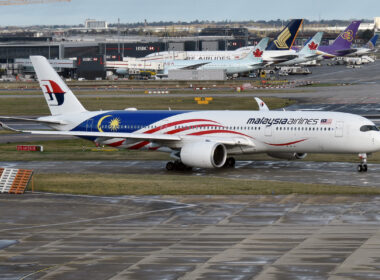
[369, 128]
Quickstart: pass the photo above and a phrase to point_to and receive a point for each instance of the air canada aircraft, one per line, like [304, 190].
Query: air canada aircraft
[252, 61]
[204, 139]
[307, 53]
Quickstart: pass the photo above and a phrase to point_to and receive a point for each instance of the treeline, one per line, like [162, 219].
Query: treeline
[277, 22]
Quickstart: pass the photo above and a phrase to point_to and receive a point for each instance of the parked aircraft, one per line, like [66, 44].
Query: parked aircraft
[342, 44]
[252, 61]
[205, 139]
[367, 49]
[307, 53]
[278, 51]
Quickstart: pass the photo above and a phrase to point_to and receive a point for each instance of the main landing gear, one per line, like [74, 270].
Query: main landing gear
[230, 163]
[363, 166]
[177, 165]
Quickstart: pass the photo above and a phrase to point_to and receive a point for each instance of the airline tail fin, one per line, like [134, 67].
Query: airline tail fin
[344, 40]
[312, 45]
[285, 39]
[372, 42]
[259, 49]
[60, 99]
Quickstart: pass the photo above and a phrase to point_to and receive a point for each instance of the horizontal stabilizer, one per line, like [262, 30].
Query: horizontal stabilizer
[32, 120]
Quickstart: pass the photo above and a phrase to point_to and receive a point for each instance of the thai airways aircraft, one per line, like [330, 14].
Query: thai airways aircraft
[307, 53]
[367, 49]
[342, 44]
[252, 61]
[205, 139]
[278, 51]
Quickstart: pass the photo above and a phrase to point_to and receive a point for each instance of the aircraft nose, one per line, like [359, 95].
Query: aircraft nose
[376, 141]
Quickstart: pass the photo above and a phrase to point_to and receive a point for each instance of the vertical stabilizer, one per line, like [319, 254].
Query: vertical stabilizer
[59, 97]
[258, 51]
[312, 45]
[345, 39]
[285, 39]
[372, 43]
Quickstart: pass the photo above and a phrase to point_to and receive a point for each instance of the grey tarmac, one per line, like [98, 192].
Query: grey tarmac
[50, 236]
[334, 173]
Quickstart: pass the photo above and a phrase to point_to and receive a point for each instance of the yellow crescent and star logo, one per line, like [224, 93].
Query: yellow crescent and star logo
[113, 125]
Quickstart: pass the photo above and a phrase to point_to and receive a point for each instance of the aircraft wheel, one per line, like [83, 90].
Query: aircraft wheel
[360, 168]
[170, 166]
[365, 168]
[230, 163]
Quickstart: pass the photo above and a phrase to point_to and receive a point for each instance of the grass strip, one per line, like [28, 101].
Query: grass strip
[122, 184]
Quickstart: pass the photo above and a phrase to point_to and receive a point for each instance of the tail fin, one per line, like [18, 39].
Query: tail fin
[285, 39]
[344, 40]
[372, 43]
[312, 45]
[60, 99]
[258, 50]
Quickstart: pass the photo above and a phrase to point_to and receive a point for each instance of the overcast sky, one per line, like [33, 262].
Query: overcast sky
[76, 11]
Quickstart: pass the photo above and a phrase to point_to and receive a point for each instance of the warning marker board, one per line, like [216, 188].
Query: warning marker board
[14, 181]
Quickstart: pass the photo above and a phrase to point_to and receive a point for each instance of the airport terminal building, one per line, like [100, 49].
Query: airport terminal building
[110, 47]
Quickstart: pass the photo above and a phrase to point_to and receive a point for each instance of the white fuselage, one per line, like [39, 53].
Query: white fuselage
[268, 56]
[269, 131]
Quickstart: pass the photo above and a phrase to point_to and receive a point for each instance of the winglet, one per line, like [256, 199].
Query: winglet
[5, 127]
[262, 105]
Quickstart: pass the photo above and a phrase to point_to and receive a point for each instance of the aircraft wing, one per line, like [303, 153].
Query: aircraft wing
[32, 120]
[282, 58]
[194, 66]
[345, 52]
[235, 140]
[312, 56]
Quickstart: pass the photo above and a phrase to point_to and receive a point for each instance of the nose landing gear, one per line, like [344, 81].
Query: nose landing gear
[363, 166]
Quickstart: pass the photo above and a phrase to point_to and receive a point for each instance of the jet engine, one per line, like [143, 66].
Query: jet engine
[288, 156]
[204, 154]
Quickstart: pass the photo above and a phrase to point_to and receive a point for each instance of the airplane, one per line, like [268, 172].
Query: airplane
[307, 53]
[252, 61]
[204, 139]
[342, 44]
[367, 49]
[279, 50]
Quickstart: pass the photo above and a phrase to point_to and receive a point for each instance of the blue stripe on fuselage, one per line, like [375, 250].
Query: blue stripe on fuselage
[127, 121]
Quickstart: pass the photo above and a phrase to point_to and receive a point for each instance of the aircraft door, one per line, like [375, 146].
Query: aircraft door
[339, 129]
[89, 125]
[268, 130]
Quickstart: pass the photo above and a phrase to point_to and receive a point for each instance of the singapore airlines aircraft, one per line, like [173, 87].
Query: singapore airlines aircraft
[205, 139]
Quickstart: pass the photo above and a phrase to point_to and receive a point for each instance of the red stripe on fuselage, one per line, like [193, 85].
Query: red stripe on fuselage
[139, 145]
[176, 123]
[287, 144]
[116, 144]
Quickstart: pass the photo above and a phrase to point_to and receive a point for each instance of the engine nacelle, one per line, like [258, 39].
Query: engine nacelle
[204, 154]
[288, 156]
